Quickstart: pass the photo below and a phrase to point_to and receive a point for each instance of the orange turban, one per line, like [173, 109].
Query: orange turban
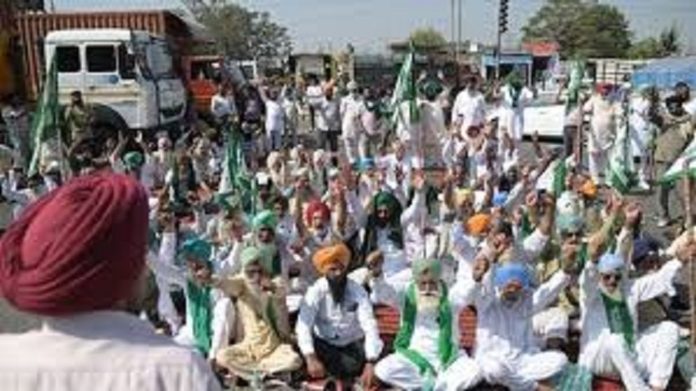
[327, 256]
[589, 189]
[478, 224]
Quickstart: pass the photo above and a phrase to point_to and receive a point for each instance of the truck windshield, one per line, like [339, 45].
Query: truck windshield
[159, 60]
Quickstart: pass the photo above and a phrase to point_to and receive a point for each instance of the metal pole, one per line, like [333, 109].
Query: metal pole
[459, 31]
[453, 19]
[498, 44]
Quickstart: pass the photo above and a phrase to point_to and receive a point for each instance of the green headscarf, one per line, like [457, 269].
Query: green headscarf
[198, 297]
[569, 222]
[431, 89]
[264, 255]
[264, 219]
[133, 160]
[423, 265]
[387, 199]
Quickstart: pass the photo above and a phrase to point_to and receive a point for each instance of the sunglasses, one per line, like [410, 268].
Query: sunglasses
[609, 277]
[568, 234]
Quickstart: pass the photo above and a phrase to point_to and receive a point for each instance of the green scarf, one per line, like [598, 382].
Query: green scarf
[446, 350]
[198, 298]
[619, 318]
[526, 228]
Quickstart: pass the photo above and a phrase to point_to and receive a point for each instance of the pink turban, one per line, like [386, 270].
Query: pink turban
[79, 248]
[316, 206]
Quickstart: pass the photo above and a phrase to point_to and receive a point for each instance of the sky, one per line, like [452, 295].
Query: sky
[370, 25]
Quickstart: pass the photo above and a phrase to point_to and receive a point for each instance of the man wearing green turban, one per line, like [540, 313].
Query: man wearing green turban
[133, 161]
[260, 302]
[427, 354]
[265, 240]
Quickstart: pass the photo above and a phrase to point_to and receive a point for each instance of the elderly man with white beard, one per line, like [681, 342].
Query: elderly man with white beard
[507, 351]
[610, 340]
[427, 354]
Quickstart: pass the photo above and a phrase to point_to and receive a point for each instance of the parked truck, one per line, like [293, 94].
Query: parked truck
[128, 65]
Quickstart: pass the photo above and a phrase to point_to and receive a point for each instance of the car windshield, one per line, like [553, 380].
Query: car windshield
[159, 60]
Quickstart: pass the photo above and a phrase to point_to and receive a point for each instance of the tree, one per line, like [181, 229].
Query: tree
[241, 33]
[667, 43]
[580, 28]
[427, 38]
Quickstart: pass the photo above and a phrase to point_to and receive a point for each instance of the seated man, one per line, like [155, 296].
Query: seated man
[427, 345]
[336, 328]
[507, 351]
[610, 340]
[265, 348]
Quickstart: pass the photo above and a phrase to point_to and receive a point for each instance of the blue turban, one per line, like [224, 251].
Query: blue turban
[610, 263]
[512, 271]
[642, 248]
[499, 199]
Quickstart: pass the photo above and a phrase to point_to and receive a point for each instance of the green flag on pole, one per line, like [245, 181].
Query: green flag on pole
[237, 182]
[678, 169]
[45, 127]
[620, 173]
[405, 92]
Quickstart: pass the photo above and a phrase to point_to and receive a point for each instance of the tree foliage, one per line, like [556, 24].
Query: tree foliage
[581, 28]
[427, 38]
[667, 43]
[241, 33]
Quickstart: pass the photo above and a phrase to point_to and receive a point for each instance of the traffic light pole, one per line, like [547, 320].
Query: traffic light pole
[502, 28]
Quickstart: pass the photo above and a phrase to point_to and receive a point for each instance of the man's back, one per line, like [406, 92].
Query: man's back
[102, 350]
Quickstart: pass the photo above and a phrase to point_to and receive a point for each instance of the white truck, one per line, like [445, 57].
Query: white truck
[126, 76]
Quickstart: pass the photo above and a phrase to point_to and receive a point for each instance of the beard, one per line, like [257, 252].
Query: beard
[428, 302]
[614, 293]
[337, 287]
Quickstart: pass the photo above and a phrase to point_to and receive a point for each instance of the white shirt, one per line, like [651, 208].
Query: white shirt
[523, 99]
[426, 330]
[604, 113]
[328, 115]
[337, 323]
[275, 117]
[222, 106]
[352, 109]
[506, 331]
[593, 320]
[314, 95]
[103, 350]
[470, 109]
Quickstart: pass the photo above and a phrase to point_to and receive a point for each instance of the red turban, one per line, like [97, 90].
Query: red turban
[316, 206]
[79, 248]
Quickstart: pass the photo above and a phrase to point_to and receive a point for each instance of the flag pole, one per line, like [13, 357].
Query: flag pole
[692, 265]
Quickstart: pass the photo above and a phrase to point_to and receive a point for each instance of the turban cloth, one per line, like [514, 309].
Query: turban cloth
[589, 189]
[316, 206]
[327, 256]
[512, 272]
[80, 248]
[642, 248]
[133, 160]
[569, 222]
[478, 224]
[198, 249]
[461, 196]
[610, 263]
[265, 219]
[499, 199]
[427, 265]
[253, 254]
[388, 200]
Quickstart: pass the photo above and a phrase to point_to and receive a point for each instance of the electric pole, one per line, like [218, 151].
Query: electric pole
[502, 28]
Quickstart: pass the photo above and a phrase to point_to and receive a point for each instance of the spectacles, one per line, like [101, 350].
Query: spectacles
[568, 234]
[609, 277]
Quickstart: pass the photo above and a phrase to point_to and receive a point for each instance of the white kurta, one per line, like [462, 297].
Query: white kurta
[511, 117]
[104, 350]
[469, 110]
[398, 371]
[506, 349]
[604, 352]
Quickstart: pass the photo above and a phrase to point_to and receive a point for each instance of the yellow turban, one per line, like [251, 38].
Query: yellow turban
[327, 256]
[478, 224]
[462, 195]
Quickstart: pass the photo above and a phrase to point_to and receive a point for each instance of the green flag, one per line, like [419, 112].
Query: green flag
[678, 169]
[45, 125]
[405, 92]
[620, 173]
[559, 177]
[237, 181]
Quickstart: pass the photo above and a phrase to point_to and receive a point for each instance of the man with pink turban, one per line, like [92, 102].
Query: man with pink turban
[76, 257]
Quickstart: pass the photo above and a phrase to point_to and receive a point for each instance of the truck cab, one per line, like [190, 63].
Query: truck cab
[126, 76]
